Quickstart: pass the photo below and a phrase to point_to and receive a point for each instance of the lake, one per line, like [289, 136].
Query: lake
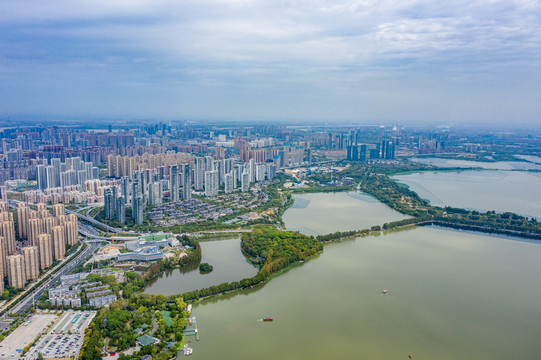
[224, 255]
[515, 191]
[452, 295]
[324, 213]
[497, 165]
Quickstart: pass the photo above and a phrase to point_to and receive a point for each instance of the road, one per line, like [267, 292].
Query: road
[29, 298]
[94, 221]
[213, 232]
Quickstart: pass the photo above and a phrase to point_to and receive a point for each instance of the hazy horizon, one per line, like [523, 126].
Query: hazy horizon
[368, 62]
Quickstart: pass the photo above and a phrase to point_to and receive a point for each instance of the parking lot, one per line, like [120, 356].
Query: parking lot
[12, 346]
[65, 338]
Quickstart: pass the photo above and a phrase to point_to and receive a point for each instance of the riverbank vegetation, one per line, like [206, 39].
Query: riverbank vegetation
[272, 250]
[374, 179]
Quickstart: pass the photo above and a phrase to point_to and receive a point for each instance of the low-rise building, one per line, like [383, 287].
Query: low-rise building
[152, 253]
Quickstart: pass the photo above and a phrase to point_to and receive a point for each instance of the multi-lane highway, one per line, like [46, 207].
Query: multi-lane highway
[94, 221]
[29, 298]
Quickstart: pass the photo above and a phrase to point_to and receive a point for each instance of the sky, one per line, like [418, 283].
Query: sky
[370, 61]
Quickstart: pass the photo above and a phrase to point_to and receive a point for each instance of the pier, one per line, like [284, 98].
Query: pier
[191, 332]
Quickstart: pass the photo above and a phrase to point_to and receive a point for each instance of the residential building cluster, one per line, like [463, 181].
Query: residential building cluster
[186, 212]
[43, 236]
[152, 180]
[94, 293]
[91, 192]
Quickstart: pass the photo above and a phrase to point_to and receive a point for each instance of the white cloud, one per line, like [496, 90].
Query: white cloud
[333, 46]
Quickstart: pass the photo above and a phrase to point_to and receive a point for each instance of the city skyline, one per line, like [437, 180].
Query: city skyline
[370, 62]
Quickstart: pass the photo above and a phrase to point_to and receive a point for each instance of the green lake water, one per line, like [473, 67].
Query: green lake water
[515, 191]
[324, 213]
[452, 295]
[224, 255]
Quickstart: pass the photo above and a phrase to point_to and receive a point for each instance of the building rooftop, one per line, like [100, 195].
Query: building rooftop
[146, 340]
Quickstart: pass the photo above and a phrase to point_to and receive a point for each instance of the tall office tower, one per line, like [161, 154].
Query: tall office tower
[45, 251]
[110, 204]
[4, 206]
[137, 210]
[390, 150]
[81, 177]
[125, 189]
[155, 193]
[59, 242]
[31, 262]
[199, 173]
[211, 183]
[2, 287]
[121, 210]
[58, 209]
[252, 170]
[76, 163]
[88, 169]
[7, 231]
[260, 172]
[16, 273]
[187, 182]
[271, 171]
[3, 259]
[362, 153]
[68, 178]
[55, 163]
[217, 165]
[42, 177]
[239, 170]
[235, 178]
[51, 177]
[175, 183]
[33, 230]
[142, 181]
[41, 207]
[245, 181]
[135, 189]
[3, 193]
[229, 165]
[208, 163]
[228, 186]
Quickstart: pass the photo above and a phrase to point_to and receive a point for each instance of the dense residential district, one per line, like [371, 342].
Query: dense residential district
[89, 215]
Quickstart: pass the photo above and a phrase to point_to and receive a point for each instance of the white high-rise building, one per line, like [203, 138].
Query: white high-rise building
[260, 174]
[245, 181]
[199, 173]
[228, 185]
[211, 183]
[252, 170]
[186, 182]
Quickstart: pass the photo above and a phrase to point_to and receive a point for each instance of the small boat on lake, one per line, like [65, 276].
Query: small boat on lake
[268, 319]
[385, 291]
